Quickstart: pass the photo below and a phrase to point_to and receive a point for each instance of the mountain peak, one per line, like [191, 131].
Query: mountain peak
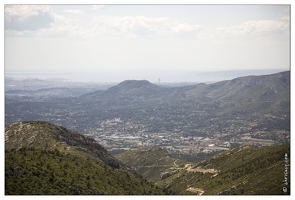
[141, 84]
[135, 87]
[135, 82]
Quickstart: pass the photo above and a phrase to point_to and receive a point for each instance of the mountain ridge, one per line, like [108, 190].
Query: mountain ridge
[43, 158]
[221, 90]
[260, 85]
[45, 136]
[256, 106]
[240, 170]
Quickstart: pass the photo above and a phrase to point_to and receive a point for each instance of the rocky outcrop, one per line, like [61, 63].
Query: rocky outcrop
[165, 175]
[14, 171]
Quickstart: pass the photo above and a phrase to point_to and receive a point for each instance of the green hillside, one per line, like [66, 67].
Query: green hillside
[47, 136]
[42, 158]
[150, 162]
[242, 170]
[45, 172]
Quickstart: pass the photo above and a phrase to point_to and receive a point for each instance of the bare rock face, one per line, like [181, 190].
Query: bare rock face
[165, 175]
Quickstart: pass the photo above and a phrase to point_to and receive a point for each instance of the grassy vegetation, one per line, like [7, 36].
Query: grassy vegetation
[243, 170]
[42, 158]
[43, 172]
[47, 136]
[150, 162]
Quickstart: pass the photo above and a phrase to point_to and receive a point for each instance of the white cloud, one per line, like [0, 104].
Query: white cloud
[22, 12]
[39, 21]
[185, 28]
[73, 11]
[98, 7]
[62, 27]
[27, 17]
[249, 33]
[257, 28]
[142, 26]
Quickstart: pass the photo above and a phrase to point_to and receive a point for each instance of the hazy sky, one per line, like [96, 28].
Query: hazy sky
[147, 37]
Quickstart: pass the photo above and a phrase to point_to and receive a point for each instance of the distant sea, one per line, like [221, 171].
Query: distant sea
[152, 76]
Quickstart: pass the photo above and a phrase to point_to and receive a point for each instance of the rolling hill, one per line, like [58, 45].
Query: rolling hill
[150, 162]
[45, 159]
[254, 88]
[242, 170]
[255, 107]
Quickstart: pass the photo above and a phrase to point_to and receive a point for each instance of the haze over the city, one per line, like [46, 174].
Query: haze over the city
[112, 43]
[147, 99]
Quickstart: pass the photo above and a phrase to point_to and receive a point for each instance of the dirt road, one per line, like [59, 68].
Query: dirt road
[198, 191]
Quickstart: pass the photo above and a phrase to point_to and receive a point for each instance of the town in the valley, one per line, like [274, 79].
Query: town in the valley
[110, 136]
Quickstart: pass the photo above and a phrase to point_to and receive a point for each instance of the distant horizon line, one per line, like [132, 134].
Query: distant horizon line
[151, 70]
[154, 76]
